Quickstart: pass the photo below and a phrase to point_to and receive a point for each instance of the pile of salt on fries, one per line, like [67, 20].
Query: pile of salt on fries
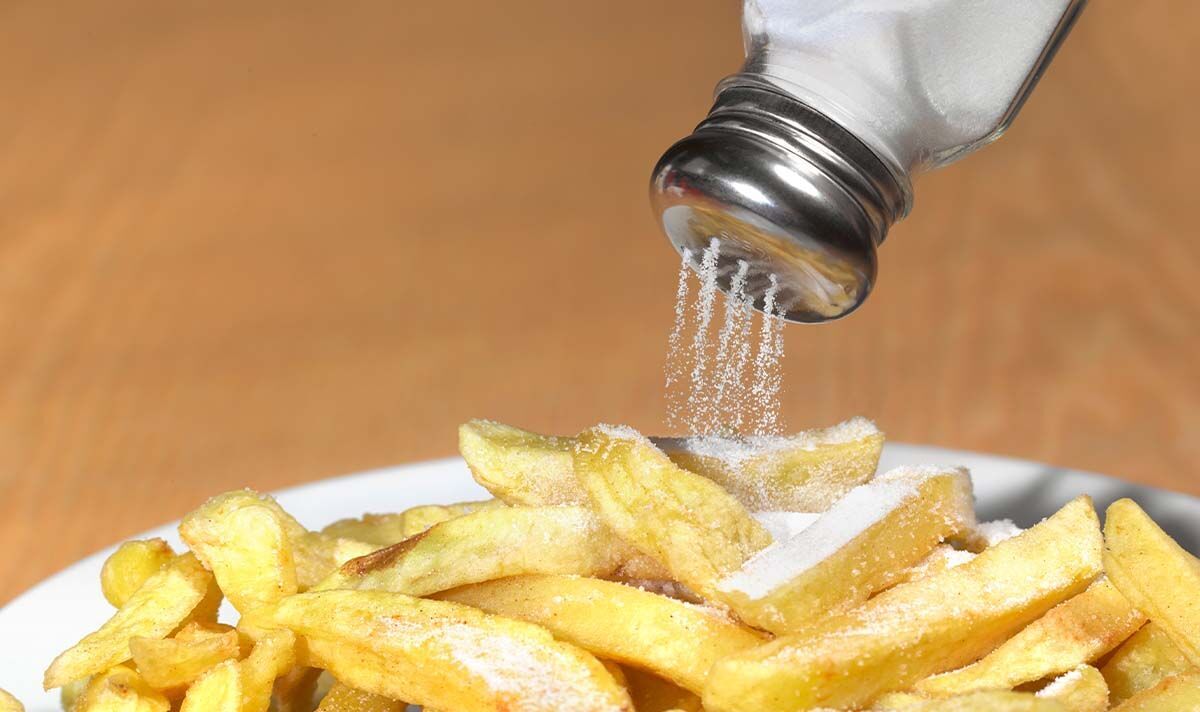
[613, 572]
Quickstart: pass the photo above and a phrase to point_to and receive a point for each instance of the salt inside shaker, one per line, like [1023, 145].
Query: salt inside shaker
[807, 156]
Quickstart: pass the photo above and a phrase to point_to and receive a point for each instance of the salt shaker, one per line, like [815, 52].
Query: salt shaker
[808, 153]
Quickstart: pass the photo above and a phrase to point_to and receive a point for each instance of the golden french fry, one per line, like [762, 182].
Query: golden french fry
[1143, 661]
[852, 551]
[1074, 632]
[248, 551]
[1080, 690]
[162, 603]
[651, 693]
[218, 690]
[120, 689]
[916, 629]
[807, 471]
[382, 530]
[1155, 574]
[168, 663]
[989, 701]
[8, 703]
[1173, 694]
[685, 522]
[274, 654]
[520, 467]
[343, 698]
[446, 655]
[127, 568]
[676, 640]
[314, 555]
[486, 545]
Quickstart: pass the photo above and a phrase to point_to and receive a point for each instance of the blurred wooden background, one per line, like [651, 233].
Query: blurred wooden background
[264, 243]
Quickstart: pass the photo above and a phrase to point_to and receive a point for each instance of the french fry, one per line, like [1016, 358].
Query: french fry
[651, 693]
[8, 703]
[1081, 690]
[989, 700]
[158, 607]
[1143, 661]
[169, 663]
[854, 550]
[446, 655]
[1155, 574]
[314, 556]
[520, 467]
[120, 689]
[486, 545]
[916, 629]
[1174, 694]
[380, 530]
[127, 568]
[676, 640]
[685, 522]
[804, 472]
[942, 557]
[218, 690]
[1076, 631]
[273, 655]
[343, 698]
[248, 551]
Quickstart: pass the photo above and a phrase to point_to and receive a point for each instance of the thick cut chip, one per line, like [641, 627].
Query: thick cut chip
[989, 701]
[520, 467]
[1143, 661]
[130, 565]
[943, 556]
[1081, 690]
[120, 689]
[380, 530]
[1174, 694]
[8, 703]
[446, 655]
[1155, 574]
[685, 522]
[218, 690]
[274, 654]
[162, 603]
[651, 693]
[916, 629]
[855, 549]
[343, 698]
[247, 549]
[679, 641]
[314, 555]
[488, 545]
[1076, 631]
[807, 471]
[167, 663]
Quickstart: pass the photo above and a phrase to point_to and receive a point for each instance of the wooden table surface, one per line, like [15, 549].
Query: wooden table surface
[276, 242]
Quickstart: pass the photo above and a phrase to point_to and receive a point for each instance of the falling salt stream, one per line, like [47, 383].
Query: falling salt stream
[699, 405]
[676, 367]
[733, 387]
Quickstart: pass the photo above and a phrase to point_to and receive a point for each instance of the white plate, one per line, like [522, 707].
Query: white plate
[51, 616]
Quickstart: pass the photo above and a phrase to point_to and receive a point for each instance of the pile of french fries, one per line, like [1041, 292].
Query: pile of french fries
[613, 572]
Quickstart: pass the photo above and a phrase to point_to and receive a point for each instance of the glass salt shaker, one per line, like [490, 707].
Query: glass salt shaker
[807, 155]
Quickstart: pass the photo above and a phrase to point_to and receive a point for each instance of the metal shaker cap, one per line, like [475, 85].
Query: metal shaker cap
[786, 190]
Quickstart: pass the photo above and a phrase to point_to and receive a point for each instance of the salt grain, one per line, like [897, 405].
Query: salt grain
[997, 531]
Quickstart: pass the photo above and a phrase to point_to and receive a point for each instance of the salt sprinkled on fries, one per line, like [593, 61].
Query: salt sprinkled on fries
[763, 574]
